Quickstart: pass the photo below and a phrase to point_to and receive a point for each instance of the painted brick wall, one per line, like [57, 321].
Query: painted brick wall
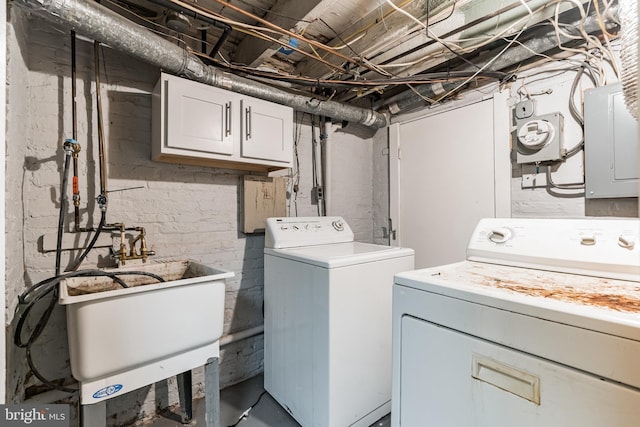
[188, 212]
[18, 114]
[349, 176]
[380, 189]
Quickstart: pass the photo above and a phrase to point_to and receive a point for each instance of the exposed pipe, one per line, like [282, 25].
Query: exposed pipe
[101, 149]
[223, 38]
[242, 335]
[226, 28]
[99, 23]
[203, 40]
[286, 32]
[74, 135]
[408, 100]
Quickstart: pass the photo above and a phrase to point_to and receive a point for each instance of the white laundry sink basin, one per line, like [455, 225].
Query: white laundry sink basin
[153, 330]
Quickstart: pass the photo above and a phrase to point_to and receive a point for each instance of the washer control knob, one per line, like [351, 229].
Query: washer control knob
[338, 225]
[587, 239]
[500, 235]
[626, 241]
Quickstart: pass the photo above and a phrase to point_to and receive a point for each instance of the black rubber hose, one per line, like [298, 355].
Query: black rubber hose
[103, 217]
[39, 291]
[63, 208]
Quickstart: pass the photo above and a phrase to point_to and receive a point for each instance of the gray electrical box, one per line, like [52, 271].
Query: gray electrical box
[610, 144]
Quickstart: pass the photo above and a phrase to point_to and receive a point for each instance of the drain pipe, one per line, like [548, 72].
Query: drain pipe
[99, 23]
[407, 101]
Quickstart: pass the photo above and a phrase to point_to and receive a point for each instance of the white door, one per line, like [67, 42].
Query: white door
[447, 171]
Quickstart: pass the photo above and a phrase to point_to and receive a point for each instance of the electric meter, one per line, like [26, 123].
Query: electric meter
[539, 138]
[535, 134]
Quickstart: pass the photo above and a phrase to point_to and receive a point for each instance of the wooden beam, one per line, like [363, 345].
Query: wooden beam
[253, 51]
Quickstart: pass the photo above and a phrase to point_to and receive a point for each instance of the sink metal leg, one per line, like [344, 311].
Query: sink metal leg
[212, 393]
[185, 392]
[94, 415]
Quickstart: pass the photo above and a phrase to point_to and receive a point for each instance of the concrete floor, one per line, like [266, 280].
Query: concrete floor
[235, 400]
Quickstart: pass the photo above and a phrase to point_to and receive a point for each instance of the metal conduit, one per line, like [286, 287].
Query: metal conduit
[407, 101]
[99, 23]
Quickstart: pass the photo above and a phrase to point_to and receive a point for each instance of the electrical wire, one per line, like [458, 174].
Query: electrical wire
[285, 32]
[572, 186]
[481, 69]
[437, 77]
[314, 164]
[295, 171]
[358, 55]
[245, 414]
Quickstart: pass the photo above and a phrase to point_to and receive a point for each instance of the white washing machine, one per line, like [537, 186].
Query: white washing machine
[327, 351]
[540, 326]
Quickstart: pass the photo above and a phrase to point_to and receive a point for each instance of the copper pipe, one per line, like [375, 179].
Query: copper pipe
[101, 153]
[74, 133]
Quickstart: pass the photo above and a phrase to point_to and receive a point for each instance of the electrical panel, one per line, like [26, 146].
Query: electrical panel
[539, 138]
[611, 144]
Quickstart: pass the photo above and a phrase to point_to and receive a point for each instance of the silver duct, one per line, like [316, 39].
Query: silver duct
[90, 19]
[407, 101]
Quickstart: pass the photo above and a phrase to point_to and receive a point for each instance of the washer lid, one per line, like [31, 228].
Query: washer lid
[340, 254]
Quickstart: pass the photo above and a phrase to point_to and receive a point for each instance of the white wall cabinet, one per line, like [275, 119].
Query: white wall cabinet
[264, 129]
[194, 123]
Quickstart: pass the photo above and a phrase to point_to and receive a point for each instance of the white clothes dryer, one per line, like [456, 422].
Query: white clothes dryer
[540, 326]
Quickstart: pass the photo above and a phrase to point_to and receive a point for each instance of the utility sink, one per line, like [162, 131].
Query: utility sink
[121, 339]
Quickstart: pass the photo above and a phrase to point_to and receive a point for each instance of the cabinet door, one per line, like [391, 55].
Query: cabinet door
[267, 131]
[199, 117]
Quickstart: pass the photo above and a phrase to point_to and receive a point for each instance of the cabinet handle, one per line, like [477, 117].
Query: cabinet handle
[247, 119]
[227, 119]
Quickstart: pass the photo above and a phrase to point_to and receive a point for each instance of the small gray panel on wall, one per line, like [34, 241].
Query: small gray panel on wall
[611, 144]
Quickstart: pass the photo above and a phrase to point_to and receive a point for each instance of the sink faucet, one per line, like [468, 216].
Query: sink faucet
[122, 255]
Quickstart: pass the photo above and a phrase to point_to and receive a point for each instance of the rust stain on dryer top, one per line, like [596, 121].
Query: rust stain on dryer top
[618, 295]
[570, 294]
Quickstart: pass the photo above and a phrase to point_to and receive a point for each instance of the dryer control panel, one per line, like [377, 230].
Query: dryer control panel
[596, 247]
[290, 232]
